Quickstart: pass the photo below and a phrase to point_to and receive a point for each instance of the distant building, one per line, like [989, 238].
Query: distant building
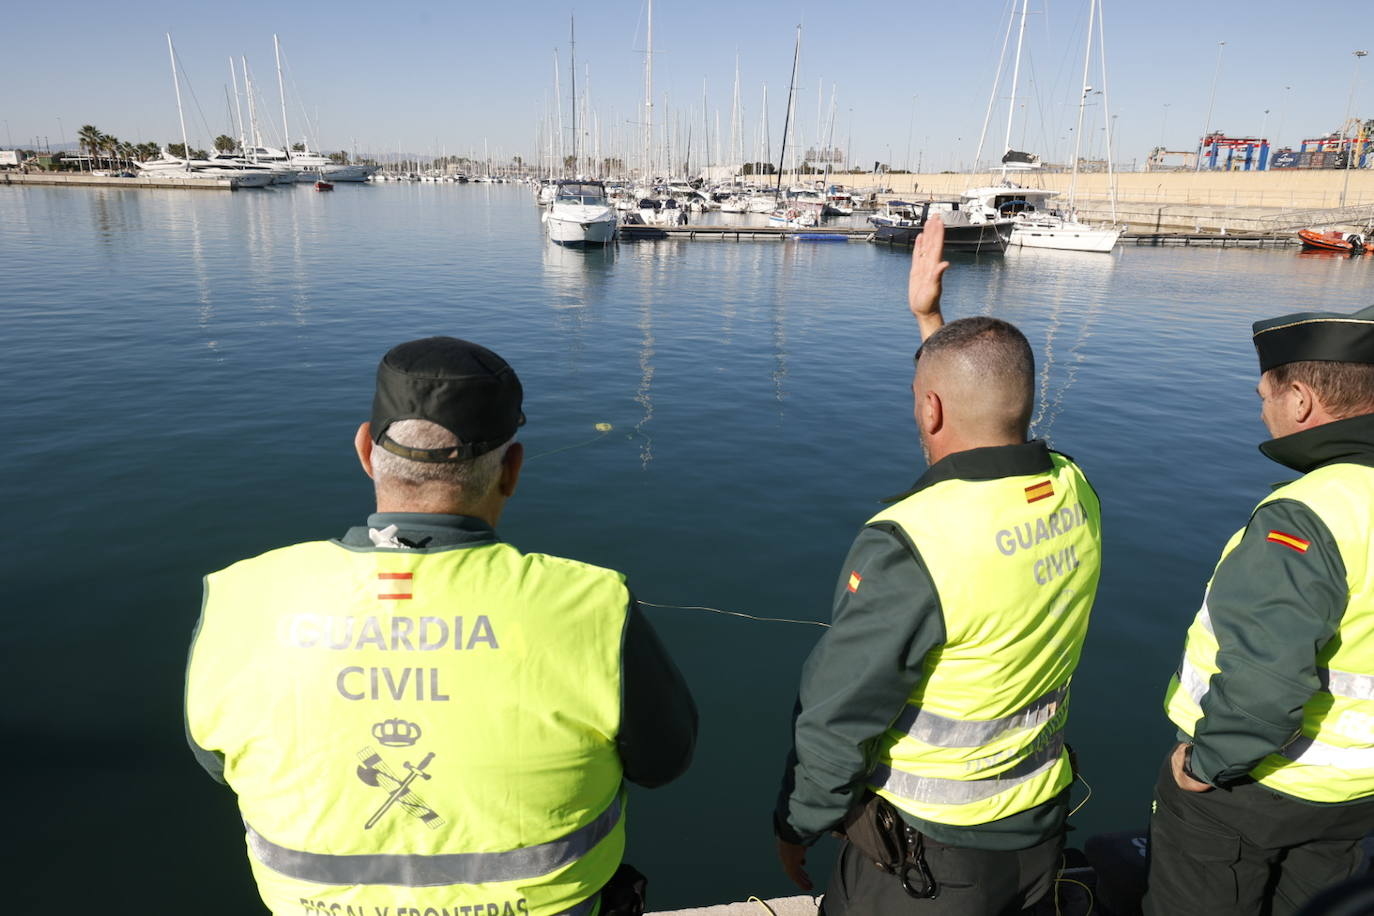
[1168, 160]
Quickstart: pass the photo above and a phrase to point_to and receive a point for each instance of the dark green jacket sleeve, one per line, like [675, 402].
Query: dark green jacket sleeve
[658, 719]
[857, 680]
[1272, 608]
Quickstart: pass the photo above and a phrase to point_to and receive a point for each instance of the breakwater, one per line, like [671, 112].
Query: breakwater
[110, 181]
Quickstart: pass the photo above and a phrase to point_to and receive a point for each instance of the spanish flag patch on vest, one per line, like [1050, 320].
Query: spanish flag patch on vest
[1288, 540]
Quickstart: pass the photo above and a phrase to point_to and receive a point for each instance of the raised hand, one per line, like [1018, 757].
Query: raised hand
[925, 285]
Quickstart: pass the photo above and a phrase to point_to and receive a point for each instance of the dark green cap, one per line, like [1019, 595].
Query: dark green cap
[1319, 336]
[465, 388]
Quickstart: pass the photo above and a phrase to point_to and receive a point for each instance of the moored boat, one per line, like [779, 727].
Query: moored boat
[1335, 240]
[580, 215]
[903, 222]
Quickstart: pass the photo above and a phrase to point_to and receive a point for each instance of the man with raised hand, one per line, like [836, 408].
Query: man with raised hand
[930, 720]
[417, 717]
[1264, 800]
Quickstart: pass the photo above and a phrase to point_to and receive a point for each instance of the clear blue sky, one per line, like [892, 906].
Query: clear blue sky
[451, 76]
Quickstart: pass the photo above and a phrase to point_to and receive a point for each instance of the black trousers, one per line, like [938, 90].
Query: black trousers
[1246, 850]
[973, 882]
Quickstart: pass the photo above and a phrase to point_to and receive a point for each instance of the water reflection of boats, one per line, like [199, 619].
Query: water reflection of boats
[901, 221]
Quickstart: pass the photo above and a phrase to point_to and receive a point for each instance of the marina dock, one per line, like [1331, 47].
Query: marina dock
[68, 179]
[862, 234]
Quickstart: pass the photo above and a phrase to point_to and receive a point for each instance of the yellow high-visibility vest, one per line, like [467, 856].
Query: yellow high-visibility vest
[1015, 562]
[1332, 757]
[417, 730]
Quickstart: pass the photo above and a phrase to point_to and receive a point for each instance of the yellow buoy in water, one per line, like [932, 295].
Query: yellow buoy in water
[603, 427]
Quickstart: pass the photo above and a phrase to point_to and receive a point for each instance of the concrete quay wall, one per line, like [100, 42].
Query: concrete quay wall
[1287, 189]
[1232, 202]
[107, 181]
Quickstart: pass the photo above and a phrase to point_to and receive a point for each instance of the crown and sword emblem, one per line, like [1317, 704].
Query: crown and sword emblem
[374, 771]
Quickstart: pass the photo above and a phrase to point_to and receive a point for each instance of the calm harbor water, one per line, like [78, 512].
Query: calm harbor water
[184, 372]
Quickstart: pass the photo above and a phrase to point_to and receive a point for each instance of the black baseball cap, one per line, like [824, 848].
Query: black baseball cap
[1317, 336]
[465, 388]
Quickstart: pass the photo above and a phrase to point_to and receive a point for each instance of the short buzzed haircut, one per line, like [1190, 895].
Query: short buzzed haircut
[1344, 389]
[996, 355]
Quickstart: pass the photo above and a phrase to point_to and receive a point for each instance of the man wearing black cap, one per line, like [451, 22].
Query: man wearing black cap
[417, 717]
[1266, 797]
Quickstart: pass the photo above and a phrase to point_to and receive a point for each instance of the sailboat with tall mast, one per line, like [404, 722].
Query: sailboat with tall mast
[1035, 224]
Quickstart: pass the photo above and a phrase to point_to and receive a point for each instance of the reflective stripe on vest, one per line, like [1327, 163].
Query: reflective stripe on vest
[436, 870]
[942, 731]
[1318, 753]
[1014, 563]
[1331, 759]
[932, 789]
[1195, 682]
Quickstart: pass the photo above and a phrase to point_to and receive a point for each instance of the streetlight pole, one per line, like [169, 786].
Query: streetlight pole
[1350, 151]
[1207, 129]
[1283, 112]
[1163, 122]
[910, 124]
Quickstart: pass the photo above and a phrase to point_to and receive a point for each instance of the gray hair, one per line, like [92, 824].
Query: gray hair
[474, 477]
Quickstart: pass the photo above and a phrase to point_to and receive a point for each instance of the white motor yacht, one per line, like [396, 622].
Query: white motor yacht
[580, 214]
[1034, 223]
[250, 177]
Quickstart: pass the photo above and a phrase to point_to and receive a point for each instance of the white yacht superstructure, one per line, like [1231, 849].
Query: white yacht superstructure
[580, 214]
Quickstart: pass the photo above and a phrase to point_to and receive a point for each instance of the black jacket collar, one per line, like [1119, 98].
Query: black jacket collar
[424, 529]
[1348, 440]
[984, 464]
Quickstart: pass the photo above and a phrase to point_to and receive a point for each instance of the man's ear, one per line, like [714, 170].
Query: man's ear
[932, 413]
[362, 444]
[1304, 402]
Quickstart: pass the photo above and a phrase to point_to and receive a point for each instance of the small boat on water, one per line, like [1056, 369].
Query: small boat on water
[902, 221]
[1336, 240]
[796, 216]
[580, 214]
[323, 185]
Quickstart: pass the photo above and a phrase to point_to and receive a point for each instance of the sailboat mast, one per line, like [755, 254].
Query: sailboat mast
[558, 107]
[1106, 108]
[281, 93]
[238, 109]
[572, 67]
[176, 83]
[649, 97]
[1015, 78]
[787, 121]
[705, 130]
[1082, 102]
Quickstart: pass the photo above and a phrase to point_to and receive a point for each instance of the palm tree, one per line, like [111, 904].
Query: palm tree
[110, 146]
[88, 138]
[225, 143]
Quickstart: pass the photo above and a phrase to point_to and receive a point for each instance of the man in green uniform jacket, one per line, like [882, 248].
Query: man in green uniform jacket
[931, 715]
[1264, 800]
[418, 717]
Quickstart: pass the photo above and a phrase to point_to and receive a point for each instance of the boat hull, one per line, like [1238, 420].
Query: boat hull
[983, 237]
[346, 172]
[1065, 238]
[1313, 240]
[576, 234]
